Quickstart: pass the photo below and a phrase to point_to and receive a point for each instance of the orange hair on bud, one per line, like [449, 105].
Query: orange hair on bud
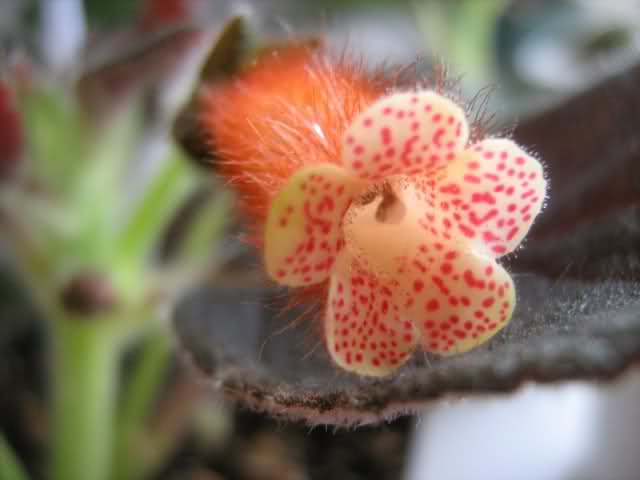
[288, 110]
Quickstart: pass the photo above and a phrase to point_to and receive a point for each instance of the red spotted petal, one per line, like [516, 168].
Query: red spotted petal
[460, 300]
[408, 133]
[492, 194]
[303, 235]
[365, 330]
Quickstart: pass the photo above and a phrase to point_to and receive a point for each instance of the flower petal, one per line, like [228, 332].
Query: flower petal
[365, 331]
[410, 133]
[303, 235]
[460, 301]
[493, 192]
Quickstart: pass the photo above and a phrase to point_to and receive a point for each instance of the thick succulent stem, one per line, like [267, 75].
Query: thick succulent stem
[85, 375]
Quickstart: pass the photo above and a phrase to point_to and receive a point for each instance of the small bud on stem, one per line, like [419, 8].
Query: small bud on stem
[89, 294]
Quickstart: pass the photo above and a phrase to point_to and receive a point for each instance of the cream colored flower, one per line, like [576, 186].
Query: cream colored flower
[407, 231]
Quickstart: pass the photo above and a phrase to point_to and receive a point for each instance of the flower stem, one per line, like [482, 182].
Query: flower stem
[85, 375]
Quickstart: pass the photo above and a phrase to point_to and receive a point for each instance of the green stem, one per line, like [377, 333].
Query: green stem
[137, 400]
[10, 466]
[85, 376]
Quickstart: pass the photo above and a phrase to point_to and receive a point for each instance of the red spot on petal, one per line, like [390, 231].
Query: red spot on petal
[452, 188]
[446, 268]
[472, 179]
[432, 305]
[385, 134]
[487, 302]
[460, 334]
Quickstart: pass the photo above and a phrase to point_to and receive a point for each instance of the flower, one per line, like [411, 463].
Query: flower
[407, 229]
[375, 203]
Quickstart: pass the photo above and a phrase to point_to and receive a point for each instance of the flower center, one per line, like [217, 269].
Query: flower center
[382, 227]
[386, 205]
[391, 209]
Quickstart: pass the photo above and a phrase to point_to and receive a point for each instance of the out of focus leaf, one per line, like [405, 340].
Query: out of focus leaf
[203, 232]
[138, 395]
[140, 62]
[111, 13]
[57, 136]
[95, 200]
[10, 467]
[226, 55]
[154, 208]
[462, 32]
[228, 52]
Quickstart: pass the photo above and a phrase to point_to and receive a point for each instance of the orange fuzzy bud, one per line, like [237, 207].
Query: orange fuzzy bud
[288, 110]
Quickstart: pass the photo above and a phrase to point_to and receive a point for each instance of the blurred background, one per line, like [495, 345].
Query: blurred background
[107, 222]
